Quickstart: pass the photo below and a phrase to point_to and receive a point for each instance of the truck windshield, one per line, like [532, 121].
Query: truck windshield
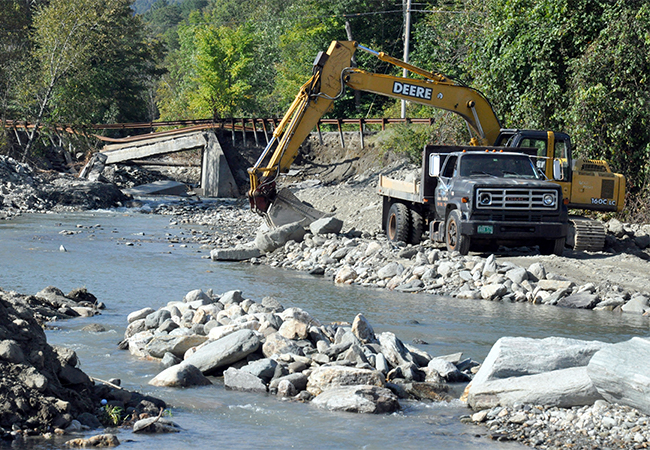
[497, 165]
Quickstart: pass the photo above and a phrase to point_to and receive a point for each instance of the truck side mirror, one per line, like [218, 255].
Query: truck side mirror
[434, 164]
[557, 170]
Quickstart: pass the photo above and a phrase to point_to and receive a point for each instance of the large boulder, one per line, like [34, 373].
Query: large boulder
[224, 352]
[562, 388]
[180, 375]
[276, 344]
[620, 373]
[176, 345]
[240, 252]
[328, 377]
[550, 372]
[139, 314]
[241, 380]
[268, 240]
[394, 350]
[326, 225]
[519, 356]
[358, 399]
[362, 329]
[262, 368]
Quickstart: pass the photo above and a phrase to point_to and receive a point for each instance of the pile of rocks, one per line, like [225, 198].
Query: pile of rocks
[42, 389]
[553, 391]
[625, 235]
[262, 347]
[601, 425]
[23, 190]
[51, 304]
[376, 262]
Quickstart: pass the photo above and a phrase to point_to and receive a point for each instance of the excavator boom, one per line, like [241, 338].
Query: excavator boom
[331, 75]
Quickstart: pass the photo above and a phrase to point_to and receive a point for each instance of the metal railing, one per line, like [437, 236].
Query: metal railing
[256, 126]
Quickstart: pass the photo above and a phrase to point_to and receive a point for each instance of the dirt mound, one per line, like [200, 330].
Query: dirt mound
[333, 163]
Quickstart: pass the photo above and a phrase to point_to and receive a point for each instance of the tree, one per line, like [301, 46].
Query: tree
[87, 56]
[212, 72]
[224, 61]
[113, 83]
[610, 101]
[15, 44]
[162, 20]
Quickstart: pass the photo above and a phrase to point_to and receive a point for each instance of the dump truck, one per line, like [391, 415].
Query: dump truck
[476, 197]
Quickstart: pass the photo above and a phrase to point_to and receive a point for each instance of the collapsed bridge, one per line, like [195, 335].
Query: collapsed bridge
[217, 178]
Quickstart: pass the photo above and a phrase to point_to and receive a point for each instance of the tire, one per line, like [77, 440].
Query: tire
[552, 247]
[417, 227]
[455, 241]
[398, 223]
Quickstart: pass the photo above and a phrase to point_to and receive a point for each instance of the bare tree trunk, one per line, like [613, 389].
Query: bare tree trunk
[39, 118]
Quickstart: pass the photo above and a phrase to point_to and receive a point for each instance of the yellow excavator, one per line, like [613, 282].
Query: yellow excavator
[587, 184]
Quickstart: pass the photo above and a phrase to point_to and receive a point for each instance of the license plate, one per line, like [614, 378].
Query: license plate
[485, 229]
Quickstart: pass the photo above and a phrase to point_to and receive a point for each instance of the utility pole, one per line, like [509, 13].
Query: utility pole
[407, 36]
[357, 94]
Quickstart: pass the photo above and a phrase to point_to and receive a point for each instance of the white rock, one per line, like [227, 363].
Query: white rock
[620, 373]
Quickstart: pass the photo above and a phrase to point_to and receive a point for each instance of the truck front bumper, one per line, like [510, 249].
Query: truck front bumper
[515, 231]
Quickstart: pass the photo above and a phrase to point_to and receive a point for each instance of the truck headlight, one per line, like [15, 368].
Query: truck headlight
[548, 200]
[485, 199]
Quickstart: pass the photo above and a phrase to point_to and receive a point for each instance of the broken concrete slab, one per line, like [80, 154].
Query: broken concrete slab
[116, 153]
[237, 253]
[164, 187]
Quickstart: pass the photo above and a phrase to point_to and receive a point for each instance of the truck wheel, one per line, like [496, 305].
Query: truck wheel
[455, 241]
[552, 247]
[398, 223]
[417, 227]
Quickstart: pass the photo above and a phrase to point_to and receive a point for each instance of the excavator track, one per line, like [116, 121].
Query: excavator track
[586, 234]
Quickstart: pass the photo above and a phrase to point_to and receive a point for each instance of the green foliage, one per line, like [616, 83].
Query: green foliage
[579, 66]
[445, 41]
[112, 84]
[15, 17]
[407, 140]
[300, 44]
[211, 75]
[610, 110]
[92, 63]
[224, 60]
[112, 416]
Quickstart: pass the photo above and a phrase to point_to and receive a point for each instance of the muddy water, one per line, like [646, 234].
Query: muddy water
[128, 261]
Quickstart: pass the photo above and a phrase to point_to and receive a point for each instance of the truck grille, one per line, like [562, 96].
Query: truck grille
[517, 199]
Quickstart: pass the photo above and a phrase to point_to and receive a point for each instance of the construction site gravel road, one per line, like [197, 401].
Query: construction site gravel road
[343, 182]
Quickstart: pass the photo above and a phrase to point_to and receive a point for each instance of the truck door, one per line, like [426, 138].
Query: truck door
[443, 190]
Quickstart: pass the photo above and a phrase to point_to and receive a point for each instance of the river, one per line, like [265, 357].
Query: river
[129, 261]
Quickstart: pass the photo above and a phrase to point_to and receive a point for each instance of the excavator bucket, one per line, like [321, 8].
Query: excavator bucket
[287, 208]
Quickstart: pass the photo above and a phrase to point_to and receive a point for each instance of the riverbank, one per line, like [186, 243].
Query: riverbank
[44, 392]
[261, 347]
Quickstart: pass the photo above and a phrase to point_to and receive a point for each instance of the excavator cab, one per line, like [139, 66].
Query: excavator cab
[586, 184]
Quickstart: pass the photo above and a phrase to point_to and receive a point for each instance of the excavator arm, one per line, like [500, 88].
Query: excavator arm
[331, 75]
[312, 102]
